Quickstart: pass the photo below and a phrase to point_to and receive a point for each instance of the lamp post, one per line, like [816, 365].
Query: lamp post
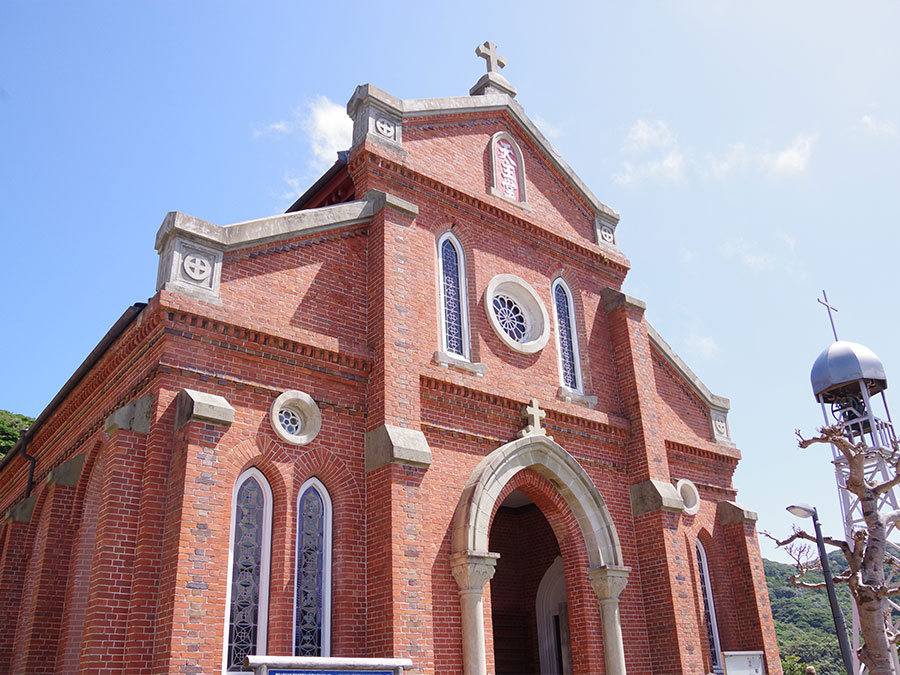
[807, 511]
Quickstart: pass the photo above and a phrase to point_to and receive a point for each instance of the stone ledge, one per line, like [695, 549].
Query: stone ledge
[67, 473]
[445, 359]
[385, 199]
[613, 299]
[654, 495]
[571, 396]
[730, 513]
[132, 417]
[262, 664]
[389, 444]
[21, 512]
[195, 405]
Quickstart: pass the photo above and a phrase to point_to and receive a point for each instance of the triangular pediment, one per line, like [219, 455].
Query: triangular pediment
[455, 140]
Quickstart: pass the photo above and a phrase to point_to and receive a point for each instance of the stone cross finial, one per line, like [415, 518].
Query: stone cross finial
[534, 415]
[488, 51]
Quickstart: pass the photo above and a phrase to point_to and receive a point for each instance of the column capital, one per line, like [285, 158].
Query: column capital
[608, 582]
[473, 569]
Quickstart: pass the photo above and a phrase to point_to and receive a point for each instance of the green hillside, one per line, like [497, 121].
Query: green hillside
[10, 423]
[803, 621]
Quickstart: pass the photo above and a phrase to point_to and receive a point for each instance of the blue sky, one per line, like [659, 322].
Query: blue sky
[752, 150]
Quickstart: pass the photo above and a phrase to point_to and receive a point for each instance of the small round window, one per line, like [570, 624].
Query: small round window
[516, 314]
[295, 417]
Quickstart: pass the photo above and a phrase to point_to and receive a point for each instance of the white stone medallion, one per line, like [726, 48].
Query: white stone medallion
[516, 314]
[295, 417]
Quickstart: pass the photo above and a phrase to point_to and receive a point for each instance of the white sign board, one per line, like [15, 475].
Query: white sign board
[744, 663]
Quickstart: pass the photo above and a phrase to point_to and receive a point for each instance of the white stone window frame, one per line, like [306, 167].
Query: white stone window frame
[495, 190]
[529, 302]
[327, 543]
[706, 589]
[264, 571]
[463, 298]
[573, 333]
[306, 408]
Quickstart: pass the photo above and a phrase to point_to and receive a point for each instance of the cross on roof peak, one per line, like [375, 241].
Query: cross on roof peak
[488, 51]
[830, 310]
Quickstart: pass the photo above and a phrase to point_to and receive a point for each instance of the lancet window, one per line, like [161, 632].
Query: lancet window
[709, 610]
[312, 590]
[248, 569]
[454, 315]
[566, 337]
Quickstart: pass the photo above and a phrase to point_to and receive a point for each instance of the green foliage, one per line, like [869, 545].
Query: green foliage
[10, 423]
[803, 622]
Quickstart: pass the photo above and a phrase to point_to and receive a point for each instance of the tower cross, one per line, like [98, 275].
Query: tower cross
[488, 51]
[830, 310]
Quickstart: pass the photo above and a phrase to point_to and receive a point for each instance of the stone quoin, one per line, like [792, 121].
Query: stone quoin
[412, 424]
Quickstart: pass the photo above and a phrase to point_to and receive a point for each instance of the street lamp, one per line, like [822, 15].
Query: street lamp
[807, 511]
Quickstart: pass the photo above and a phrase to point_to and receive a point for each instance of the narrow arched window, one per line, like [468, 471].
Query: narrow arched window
[248, 570]
[709, 610]
[566, 337]
[454, 329]
[312, 589]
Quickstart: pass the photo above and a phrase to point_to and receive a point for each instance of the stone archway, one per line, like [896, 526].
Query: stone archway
[473, 564]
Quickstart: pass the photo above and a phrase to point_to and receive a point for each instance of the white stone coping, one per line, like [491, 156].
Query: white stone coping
[482, 103]
[530, 303]
[262, 664]
[681, 367]
[273, 228]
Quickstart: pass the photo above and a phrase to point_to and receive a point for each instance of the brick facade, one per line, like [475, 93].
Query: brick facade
[124, 568]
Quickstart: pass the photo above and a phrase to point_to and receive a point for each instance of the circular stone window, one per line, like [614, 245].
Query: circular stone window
[296, 417]
[516, 314]
[689, 495]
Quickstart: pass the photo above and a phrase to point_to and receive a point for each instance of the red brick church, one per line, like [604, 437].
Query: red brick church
[410, 425]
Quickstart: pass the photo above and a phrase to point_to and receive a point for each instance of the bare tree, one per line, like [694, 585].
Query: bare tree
[866, 554]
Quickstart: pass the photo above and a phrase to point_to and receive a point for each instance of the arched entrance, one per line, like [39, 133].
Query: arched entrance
[473, 563]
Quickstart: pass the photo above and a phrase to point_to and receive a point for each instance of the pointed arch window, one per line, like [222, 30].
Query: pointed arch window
[454, 313]
[248, 570]
[566, 337]
[709, 610]
[312, 589]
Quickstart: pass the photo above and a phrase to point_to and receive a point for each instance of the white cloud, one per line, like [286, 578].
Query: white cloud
[747, 254]
[653, 153]
[275, 128]
[878, 127]
[328, 129]
[703, 345]
[687, 256]
[549, 129]
[793, 159]
[788, 240]
[652, 150]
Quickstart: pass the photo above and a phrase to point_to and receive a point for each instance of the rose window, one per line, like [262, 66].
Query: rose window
[510, 317]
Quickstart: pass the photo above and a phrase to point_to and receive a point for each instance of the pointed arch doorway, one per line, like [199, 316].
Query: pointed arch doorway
[568, 490]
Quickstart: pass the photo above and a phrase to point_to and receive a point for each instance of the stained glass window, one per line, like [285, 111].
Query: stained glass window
[709, 610]
[249, 575]
[510, 317]
[453, 298]
[313, 581]
[565, 336]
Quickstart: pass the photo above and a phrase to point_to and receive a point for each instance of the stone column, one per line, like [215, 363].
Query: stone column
[472, 570]
[608, 583]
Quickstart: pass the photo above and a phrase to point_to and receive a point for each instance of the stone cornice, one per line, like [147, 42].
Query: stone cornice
[263, 339]
[717, 452]
[371, 157]
[260, 231]
[615, 427]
